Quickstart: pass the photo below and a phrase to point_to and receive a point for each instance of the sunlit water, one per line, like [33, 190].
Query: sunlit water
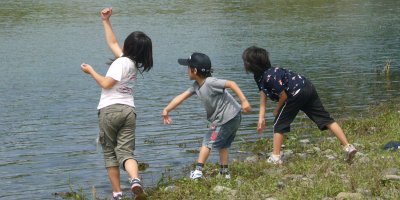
[48, 117]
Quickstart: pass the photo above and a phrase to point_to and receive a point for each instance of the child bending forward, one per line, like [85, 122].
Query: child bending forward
[293, 93]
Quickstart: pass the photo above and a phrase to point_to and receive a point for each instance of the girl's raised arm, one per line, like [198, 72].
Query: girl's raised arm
[109, 33]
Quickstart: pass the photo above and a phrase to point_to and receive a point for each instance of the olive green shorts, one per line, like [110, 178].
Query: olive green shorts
[117, 125]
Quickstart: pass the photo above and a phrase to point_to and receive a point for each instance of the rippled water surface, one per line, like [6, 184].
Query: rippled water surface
[48, 119]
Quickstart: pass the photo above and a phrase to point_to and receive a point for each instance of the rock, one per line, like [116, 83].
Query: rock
[317, 149]
[330, 157]
[364, 192]
[287, 153]
[391, 177]
[231, 193]
[219, 189]
[302, 155]
[328, 151]
[364, 159]
[331, 139]
[251, 159]
[309, 151]
[240, 181]
[390, 171]
[170, 188]
[349, 195]
[304, 141]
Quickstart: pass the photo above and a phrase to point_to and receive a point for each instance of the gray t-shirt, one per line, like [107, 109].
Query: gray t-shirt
[219, 104]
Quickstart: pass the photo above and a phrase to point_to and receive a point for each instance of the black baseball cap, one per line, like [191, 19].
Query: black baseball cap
[200, 61]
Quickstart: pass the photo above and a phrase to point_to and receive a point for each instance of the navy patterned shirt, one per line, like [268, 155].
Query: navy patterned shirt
[275, 80]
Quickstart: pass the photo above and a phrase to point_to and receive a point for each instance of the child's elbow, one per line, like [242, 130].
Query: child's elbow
[107, 86]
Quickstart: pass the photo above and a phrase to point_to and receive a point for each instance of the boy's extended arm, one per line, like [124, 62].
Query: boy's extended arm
[173, 104]
[243, 100]
[111, 39]
[261, 115]
[282, 100]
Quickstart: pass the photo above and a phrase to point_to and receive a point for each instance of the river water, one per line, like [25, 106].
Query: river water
[48, 119]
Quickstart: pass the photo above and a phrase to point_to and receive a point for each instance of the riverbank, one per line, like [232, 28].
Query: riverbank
[313, 167]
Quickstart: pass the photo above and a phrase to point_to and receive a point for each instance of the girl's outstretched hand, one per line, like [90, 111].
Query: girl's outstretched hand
[86, 68]
[166, 118]
[260, 126]
[106, 13]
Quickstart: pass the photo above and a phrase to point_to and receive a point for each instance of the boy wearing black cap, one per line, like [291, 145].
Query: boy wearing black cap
[223, 111]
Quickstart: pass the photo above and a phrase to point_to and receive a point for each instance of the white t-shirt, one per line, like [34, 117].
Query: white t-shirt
[124, 71]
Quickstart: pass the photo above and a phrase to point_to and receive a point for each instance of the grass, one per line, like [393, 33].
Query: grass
[313, 171]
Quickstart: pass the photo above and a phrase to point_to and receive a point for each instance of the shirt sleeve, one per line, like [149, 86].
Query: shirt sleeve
[275, 81]
[217, 85]
[115, 70]
[190, 90]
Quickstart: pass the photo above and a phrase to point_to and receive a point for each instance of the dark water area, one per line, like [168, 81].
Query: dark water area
[48, 117]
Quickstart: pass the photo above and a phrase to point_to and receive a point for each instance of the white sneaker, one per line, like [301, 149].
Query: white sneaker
[274, 159]
[196, 174]
[350, 152]
[225, 175]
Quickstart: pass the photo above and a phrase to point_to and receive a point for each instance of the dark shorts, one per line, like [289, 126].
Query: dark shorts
[307, 100]
[222, 136]
[117, 125]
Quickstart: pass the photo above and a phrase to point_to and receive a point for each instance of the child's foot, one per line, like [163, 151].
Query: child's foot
[350, 152]
[275, 159]
[117, 197]
[224, 172]
[225, 175]
[137, 189]
[196, 174]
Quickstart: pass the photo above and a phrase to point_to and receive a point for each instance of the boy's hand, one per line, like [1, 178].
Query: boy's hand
[246, 106]
[106, 13]
[86, 68]
[166, 118]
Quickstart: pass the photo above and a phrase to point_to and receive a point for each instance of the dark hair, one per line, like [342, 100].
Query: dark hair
[256, 60]
[201, 73]
[138, 47]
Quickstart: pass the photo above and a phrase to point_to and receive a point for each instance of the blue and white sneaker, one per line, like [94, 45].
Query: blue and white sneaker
[350, 152]
[137, 189]
[225, 175]
[196, 174]
[118, 197]
[275, 159]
